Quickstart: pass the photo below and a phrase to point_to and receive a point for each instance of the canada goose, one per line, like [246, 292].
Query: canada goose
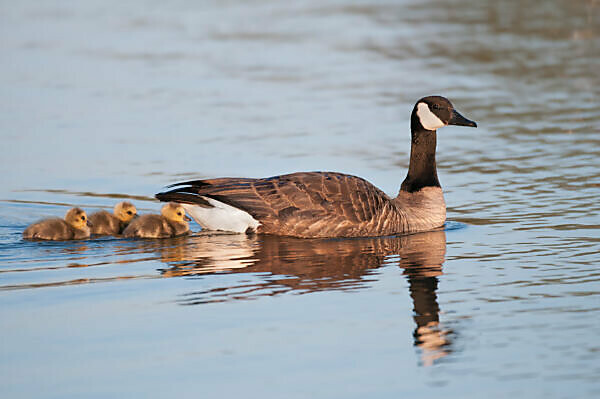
[170, 223]
[328, 204]
[104, 223]
[73, 227]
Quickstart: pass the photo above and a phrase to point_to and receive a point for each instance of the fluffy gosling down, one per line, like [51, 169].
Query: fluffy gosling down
[74, 226]
[105, 223]
[170, 223]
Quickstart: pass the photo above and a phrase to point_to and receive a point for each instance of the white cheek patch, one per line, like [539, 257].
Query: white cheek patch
[428, 119]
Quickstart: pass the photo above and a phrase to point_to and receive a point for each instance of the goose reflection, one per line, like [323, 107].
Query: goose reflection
[301, 266]
[422, 261]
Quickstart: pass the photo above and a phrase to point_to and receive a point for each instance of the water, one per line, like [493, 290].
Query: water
[103, 100]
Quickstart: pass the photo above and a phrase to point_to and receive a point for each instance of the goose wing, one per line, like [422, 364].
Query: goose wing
[311, 204]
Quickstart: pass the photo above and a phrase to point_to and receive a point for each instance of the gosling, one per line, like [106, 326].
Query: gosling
[104, 223]
[171, 222]
[75, 226]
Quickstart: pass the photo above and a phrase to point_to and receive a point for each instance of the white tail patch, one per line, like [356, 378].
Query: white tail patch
[428, 119]
[221, 217]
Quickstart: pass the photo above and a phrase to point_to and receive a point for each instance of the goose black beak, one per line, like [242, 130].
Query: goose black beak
[459, 120]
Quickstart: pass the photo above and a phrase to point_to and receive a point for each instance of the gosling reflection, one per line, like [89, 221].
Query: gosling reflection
[277, 265]
[217, 252]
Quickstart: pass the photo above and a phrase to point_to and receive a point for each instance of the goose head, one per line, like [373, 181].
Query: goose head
[77, 218]
[434, 112]
[125, 211]
[174, 212]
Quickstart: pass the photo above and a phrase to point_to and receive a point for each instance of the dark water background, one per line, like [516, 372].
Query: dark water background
[104, 100]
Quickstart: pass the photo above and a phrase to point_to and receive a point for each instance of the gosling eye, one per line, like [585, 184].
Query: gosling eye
[83, 218]
[129, 213]
[178, 213]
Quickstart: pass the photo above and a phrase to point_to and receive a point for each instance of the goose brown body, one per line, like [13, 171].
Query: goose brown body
[330, 204]
[311, 204]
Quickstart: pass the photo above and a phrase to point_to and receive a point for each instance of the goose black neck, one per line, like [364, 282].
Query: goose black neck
[422, 170]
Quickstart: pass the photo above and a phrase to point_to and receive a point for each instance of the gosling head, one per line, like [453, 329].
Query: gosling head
[77, 218]
[434, 112]
[174, 212]
[125, 211]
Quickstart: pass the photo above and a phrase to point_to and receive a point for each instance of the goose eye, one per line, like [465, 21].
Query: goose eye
[435, 106]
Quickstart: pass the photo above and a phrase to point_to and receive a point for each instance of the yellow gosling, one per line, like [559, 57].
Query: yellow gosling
[105, 223]
[171, 222]
[74, 226]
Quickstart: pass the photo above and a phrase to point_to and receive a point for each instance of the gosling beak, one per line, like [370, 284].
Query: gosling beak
[459, 120]
[135, 216]
[88, 223]
[187, 218]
